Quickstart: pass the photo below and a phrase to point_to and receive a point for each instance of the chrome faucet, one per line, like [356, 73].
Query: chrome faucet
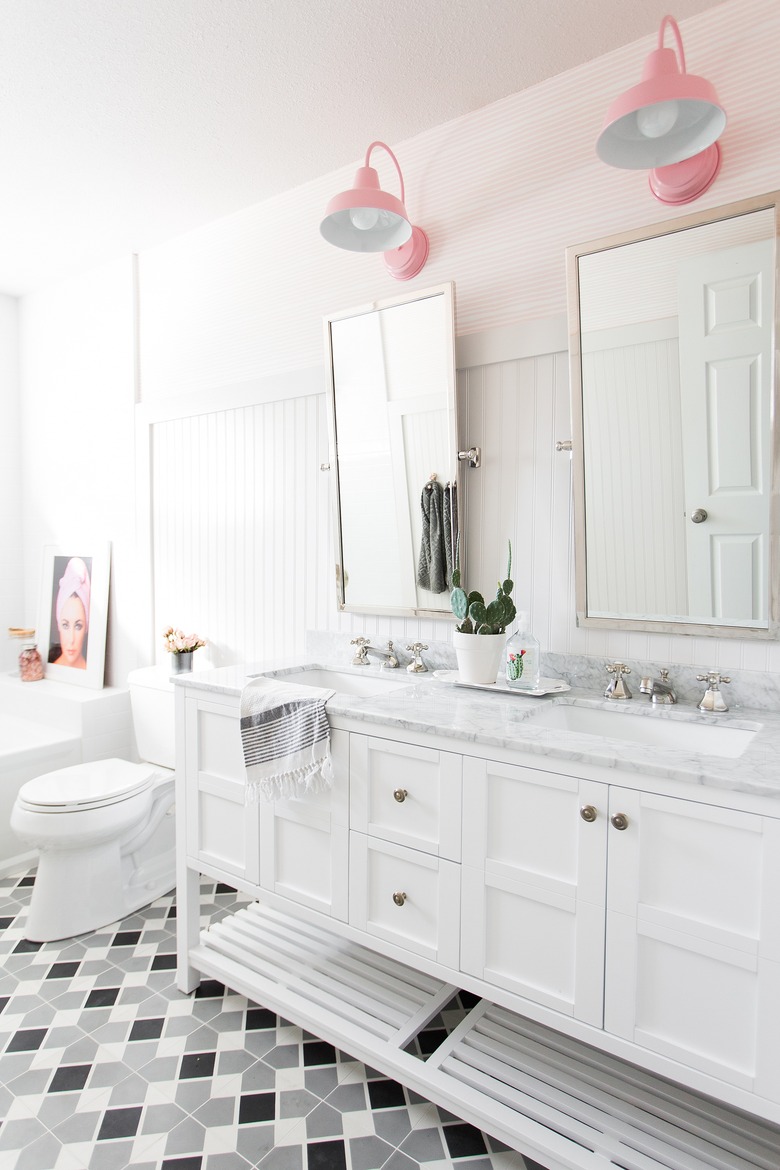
[660, 689]
[361, 658]
[417, 666]
[390, 660]
[618, 688]
[712, 700]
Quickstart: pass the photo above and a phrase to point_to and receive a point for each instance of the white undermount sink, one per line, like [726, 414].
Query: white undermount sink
[345, 681]
[651, 729]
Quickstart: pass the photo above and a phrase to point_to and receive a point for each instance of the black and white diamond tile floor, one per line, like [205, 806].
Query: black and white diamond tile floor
[105, 1065]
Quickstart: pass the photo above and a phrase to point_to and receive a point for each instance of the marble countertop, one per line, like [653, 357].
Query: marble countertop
[498, 719]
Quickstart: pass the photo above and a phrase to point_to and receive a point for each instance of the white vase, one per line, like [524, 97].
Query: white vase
[479, 656]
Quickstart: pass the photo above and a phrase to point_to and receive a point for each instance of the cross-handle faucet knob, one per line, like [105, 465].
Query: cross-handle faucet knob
[618, 688]
[361, 654]
[712, 699]
[416, 666]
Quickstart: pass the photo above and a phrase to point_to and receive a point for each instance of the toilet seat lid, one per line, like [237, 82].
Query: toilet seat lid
[87, 785]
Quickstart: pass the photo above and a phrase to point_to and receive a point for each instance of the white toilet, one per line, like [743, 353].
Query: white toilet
[105, 830]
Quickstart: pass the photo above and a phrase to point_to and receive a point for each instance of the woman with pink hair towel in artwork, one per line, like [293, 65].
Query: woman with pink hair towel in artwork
[72, 612]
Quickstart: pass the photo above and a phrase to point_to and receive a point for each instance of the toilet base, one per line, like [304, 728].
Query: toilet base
[81, 890]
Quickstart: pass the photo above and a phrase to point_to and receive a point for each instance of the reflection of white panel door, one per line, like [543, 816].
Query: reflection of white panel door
[726, 313]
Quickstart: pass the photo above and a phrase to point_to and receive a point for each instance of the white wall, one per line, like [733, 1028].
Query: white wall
[78, 380]
[12, 608]
[501, 193]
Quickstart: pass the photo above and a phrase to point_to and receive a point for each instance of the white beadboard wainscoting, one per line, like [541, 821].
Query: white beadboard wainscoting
[238, 515]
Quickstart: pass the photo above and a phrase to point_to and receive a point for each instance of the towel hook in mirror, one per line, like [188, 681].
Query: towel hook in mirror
[474, 456]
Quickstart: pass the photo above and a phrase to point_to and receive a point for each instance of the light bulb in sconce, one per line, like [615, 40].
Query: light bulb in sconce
[656, 120]
[364, 218]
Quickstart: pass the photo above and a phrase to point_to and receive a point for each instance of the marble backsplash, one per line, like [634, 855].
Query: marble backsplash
[747, 689]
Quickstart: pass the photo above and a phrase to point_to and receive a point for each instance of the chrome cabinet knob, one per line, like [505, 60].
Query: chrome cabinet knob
[399, 897]
[400, 794]
[588, 813]
[699, 516]
[619, 821]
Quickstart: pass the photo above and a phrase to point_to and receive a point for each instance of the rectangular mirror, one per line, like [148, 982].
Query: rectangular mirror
[393, 456]
[674, 399]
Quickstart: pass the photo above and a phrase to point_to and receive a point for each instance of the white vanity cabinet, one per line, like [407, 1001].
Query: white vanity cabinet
[650, 916]
[618, 935]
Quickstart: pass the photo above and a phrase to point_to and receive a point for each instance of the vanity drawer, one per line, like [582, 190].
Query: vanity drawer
[405, 897]
[406, 794]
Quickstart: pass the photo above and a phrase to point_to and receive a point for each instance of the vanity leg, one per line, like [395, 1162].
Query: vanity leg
[187, 927]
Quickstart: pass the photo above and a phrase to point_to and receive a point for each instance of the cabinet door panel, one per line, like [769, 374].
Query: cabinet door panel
[428, 782]
[533, 885]
[219, 832]
[691, 936]
[304, 844]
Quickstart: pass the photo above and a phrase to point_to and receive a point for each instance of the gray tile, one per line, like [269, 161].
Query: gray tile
[20, 1133]
[296, 1103]
[321, 1081]
[230, 1161]
[255, 1141]
[218, 1111]
[130, 1091]
[79, 1127]
[161, 1118]
[234, 1061]
[43, 1152]
[392, 1124]
[425, 1145]
[283, 1056]
[399, 1161]
[324, 1122]
[283, 1158]
[112, 1156]
[259, 1078]
[368, 1153]
[348, 1098]
[186, 1138]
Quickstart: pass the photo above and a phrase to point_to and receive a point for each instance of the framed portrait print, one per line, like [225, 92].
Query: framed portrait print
[73, 613]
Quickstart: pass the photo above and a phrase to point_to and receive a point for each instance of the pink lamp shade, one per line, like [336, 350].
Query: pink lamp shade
[368, 219]
[672, 117]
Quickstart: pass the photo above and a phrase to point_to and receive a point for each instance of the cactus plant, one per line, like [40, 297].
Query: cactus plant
[474, 616]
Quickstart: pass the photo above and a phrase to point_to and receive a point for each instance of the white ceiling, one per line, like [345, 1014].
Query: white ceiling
[126, 122]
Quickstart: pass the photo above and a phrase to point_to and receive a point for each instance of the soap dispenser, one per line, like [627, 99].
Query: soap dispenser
[522, 658]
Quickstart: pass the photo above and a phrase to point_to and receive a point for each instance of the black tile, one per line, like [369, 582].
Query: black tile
[257, 1018]
[69, 1078]
[464, 1141]
[318, 1052]
[171, 912]
[531, 1165]
[430, 1039]
[120, 1123]
[6, 922]
[126, 938]
[468, 999]
[4, 1001]
[386, 1094]
[27, 1040]
[197, 1064]
[209, 989]
[164, 963]
[191, 1162]
[26, 881]
[62, 970]
[326, 1156]
[150, 1029]
[102, 997]
[223, 888]
[255, 1107]
[25, 947]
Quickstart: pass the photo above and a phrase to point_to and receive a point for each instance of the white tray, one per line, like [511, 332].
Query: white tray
[547, 686]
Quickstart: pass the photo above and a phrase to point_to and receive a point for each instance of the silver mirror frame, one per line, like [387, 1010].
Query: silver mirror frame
[769, 201]
[447, 291]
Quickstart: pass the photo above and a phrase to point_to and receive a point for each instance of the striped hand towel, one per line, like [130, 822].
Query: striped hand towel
[285, 735]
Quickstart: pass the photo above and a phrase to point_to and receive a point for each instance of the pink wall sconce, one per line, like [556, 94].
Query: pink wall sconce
[669, 124]
[368, 219]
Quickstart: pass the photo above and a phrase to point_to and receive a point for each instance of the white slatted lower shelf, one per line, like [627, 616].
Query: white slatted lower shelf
[561, 1102]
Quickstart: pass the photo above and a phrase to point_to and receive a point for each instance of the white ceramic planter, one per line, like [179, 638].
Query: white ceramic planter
[479, 656]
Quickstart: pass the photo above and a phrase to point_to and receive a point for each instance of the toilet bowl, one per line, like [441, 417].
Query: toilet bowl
[104, 830]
